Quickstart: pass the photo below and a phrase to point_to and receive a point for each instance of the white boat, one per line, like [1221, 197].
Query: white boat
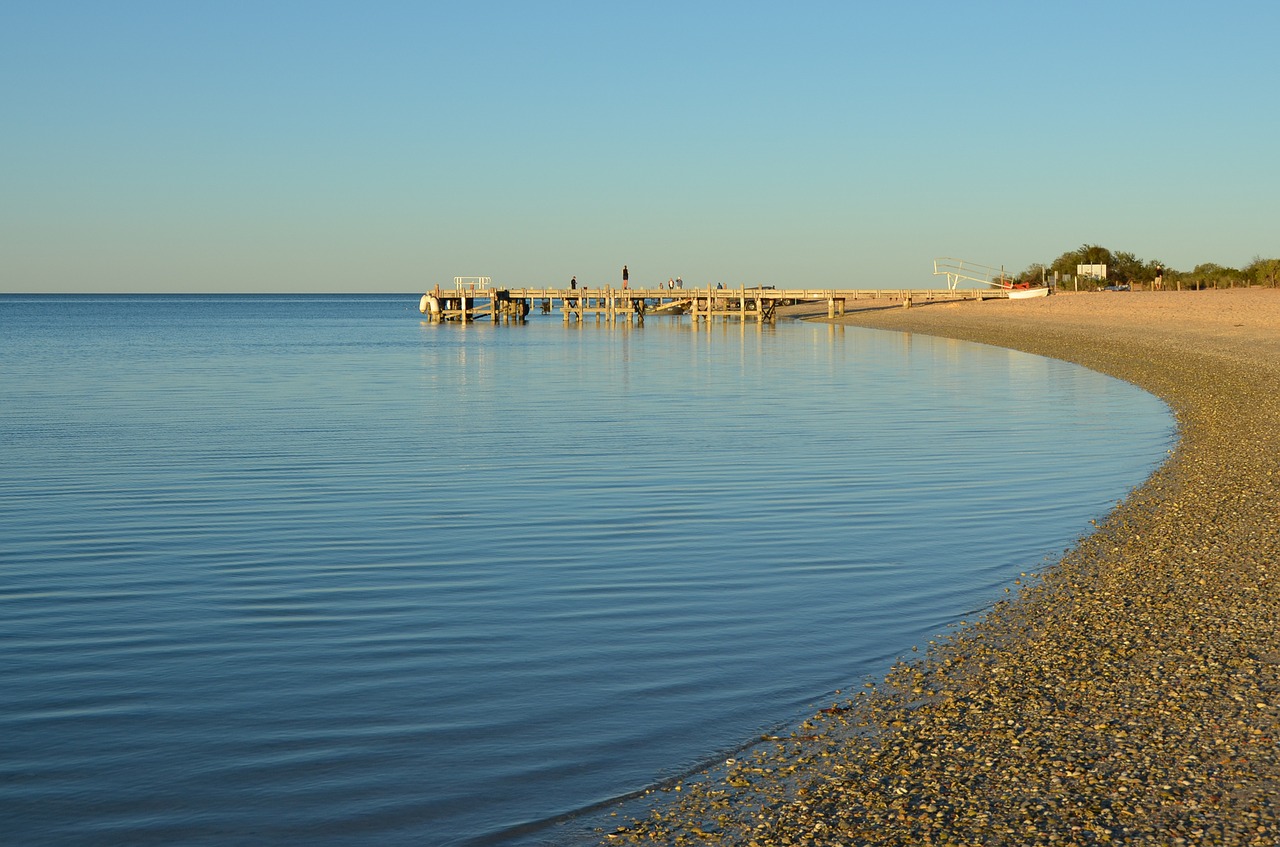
[1025, 293]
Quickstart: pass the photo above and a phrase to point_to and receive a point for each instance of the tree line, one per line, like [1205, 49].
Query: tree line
[1128, 269]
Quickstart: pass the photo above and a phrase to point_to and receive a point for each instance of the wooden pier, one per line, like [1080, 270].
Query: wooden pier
[481, 301]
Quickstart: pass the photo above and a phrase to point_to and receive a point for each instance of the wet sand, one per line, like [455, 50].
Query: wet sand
[1130, 693]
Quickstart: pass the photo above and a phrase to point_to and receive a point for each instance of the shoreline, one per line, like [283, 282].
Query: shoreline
[1131, 692]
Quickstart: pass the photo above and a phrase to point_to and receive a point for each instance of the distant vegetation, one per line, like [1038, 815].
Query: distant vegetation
[1129, 269]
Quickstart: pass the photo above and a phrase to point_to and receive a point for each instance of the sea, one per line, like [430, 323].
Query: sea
[309, 569]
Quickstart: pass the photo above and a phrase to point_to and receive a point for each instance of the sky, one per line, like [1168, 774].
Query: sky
[391, 146]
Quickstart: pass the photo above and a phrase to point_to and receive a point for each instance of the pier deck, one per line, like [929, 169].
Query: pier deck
[627, 304]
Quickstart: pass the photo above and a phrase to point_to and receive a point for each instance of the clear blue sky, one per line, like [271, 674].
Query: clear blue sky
[390, 146]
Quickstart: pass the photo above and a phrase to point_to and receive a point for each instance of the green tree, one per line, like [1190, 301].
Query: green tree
[1086, 254]
[1124, 267]
[1212, 275]
[1263, 272]
[1034, 274]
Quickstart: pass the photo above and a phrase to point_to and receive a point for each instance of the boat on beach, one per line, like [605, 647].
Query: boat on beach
[1020, 289]
[1016, 293]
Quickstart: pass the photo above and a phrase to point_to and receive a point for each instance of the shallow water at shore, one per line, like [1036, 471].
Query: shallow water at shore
[308, 568]
[1094, 707]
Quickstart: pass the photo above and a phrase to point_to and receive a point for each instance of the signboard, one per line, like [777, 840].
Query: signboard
[1095, 271]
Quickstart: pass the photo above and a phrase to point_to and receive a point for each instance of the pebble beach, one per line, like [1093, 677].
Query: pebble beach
[1128, 693]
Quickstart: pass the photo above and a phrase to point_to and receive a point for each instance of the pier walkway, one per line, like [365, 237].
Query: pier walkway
[482, 301]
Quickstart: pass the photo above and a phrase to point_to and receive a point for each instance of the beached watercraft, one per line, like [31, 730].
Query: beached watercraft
[1016, 293]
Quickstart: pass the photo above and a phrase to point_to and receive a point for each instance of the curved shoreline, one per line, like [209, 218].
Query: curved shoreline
[1130, 694]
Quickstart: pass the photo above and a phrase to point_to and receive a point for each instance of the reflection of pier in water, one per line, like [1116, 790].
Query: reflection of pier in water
[481, 301]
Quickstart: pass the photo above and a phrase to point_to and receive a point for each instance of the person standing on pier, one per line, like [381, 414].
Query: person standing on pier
[625, 276]
[573, 283]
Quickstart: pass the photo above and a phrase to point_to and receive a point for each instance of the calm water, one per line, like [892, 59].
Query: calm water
[308, 570]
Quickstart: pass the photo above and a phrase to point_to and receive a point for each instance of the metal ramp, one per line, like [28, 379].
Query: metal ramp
[677, 306]
[958, 269]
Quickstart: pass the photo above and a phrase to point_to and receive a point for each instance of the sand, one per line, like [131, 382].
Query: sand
[1128, 694]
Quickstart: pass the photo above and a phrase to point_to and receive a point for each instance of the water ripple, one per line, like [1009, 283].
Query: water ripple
[308, 569]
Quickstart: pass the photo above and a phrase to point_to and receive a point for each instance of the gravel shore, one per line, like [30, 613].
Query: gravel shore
[1128, 694]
